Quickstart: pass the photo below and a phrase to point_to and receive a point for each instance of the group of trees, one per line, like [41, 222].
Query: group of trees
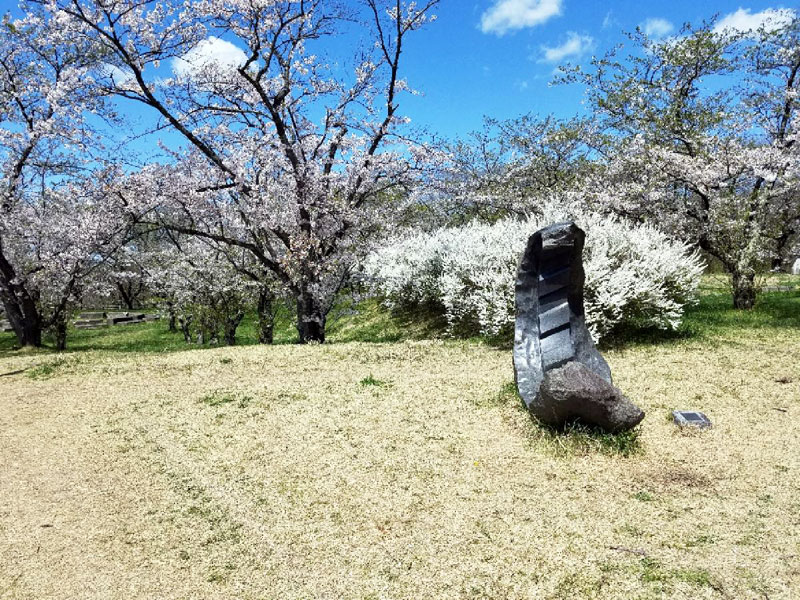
[704, 132]
[286, 163]
[58, 218]
[696, 134]
[285, 166]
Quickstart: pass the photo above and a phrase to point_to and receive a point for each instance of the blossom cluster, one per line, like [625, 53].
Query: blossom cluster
[635, 275]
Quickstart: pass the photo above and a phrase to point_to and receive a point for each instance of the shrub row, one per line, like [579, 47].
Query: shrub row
[635, 275]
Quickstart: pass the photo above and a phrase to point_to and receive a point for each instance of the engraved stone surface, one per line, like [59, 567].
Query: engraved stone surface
[550, 327]
[550, 332]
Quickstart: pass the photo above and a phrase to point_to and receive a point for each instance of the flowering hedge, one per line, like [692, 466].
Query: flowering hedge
[635, 275]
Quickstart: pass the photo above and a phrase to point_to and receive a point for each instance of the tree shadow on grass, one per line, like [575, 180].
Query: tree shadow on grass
[370, 321]
[715, 312]
[622, 338]
[713, 316]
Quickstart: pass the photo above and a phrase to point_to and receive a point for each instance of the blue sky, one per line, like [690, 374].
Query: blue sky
[471, 62]
[497, 58]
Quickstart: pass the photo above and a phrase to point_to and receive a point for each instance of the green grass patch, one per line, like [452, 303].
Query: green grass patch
[652, 571]
[698, 577]
[47, 369]
[222, 397]
[713, 316]
[644, 496]
[349, 321]
[714, 313]
[155, 337]
[371, 381]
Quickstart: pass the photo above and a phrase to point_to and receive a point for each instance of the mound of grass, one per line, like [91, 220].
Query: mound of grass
[574, 438]
[436, 485]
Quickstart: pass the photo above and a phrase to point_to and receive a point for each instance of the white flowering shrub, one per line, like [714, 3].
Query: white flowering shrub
[635, 275]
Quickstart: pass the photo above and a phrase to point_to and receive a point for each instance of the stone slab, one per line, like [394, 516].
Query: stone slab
[550, 329]
[690, 418]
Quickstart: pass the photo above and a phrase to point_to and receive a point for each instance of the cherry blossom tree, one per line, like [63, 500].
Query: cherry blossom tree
[706, 125]
[56, 225]
[196, 279]
[124, 278]
[287, 155]
[509, 167]
[205, 287]
[52, 245]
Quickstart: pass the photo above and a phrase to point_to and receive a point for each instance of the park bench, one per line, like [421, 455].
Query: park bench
[97, 319]
[125, 318]
[91, 320]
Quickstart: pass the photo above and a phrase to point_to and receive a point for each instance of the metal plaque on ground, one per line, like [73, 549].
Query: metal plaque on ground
[691, 417]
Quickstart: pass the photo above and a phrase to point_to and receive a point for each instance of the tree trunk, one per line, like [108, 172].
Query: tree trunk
[266, 317]
[209, 327]
[186, 324]
[60, 332]
[172, 317]
[25, 320]
[781, 261]
[126, 294]
[744, 290]
[310, 318]
[231, 323]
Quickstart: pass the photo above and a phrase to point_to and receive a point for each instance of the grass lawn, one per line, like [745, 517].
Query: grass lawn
[367, 469]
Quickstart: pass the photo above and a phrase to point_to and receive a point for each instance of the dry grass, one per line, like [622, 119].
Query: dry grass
[393, 471]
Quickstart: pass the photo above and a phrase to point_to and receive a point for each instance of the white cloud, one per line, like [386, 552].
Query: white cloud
[507, 15]
[574, 47]
[657, 28]
[743, 20]
[211, 51]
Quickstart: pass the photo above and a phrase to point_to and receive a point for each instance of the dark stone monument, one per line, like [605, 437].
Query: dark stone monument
[560, 374]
